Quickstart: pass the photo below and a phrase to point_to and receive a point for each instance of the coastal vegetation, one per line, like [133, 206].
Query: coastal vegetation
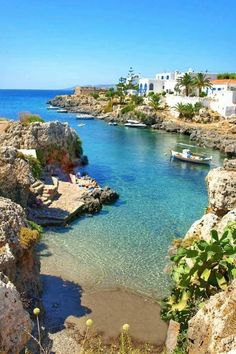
[190, 83]
[27, 118]
[199, 270]
[188, 111]
[28, 237]
[223, 76]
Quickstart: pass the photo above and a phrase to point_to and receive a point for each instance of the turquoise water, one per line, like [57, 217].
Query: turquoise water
[126, 244]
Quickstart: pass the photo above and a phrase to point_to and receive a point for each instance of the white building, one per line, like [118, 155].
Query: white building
[165, 81]
[222, 97]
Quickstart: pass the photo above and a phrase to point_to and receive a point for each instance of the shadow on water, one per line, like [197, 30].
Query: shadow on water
[61, 299]
[42, 248]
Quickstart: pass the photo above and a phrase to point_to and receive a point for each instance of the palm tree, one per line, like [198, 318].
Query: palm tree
[187, 82]
[155, 101]
[201, 81]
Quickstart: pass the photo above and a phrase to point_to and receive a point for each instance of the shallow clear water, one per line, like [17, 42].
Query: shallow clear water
[126, 244]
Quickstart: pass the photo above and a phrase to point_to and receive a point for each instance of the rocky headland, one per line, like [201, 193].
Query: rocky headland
[207, 128]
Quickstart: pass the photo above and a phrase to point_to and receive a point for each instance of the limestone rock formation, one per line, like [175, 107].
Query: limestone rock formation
[15, 176]
[15, 323]
[19, 263]
[53, 141]
[222, 190]
[213, 329]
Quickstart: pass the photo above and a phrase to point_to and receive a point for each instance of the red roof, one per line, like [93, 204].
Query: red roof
[224, 82]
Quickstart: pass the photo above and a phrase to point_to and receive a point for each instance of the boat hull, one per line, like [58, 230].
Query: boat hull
[132, 125]
[180, 157]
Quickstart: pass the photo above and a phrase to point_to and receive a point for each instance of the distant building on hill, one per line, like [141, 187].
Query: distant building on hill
[87, 90]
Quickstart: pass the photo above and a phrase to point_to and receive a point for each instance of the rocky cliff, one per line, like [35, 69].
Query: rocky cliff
[15, 176]
[53, 141]
[221, 184]
[213, 329]
[15, 323]
[19, 269]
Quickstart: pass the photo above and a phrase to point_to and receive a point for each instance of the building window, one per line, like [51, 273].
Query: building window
[145, 87]
[140, 88]
[162, 77]
[163, 87]
[167, 77]
[151, 87]
[219, 89]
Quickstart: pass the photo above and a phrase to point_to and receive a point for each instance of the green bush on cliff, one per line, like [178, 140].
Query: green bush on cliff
[29, 118]
[127, 109]
[95, 95]
[34, 226]
[35, 165]
[78, 148]
[199, 271]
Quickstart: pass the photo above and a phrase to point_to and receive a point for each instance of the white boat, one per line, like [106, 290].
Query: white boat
[52, 107]
[81, 125]
[62, 110]
[112, 123]
[187, 156]
[135, 125]
[84, 117]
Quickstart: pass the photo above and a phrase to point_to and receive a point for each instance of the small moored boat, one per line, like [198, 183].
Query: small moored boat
[187, 156]
[112, 123]
[134, 124]
[52, 107]
[62, 110]
[84, 117]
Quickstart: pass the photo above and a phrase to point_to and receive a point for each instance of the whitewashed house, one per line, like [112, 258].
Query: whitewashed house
[222, 97]
[165, 81]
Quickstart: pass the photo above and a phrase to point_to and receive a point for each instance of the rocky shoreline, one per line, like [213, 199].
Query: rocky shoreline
[217, 135]
[37, 184]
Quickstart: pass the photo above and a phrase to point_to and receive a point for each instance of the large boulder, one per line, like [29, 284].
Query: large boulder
[213, 329]
[15, 176]
[222, 190]
[15, 323]
[53, 141]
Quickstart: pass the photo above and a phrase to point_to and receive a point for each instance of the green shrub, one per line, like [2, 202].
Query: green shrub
[127, 109]
[34, 226]
[197, 106]
[185, 110]
[95, 95]
[35, 165]
[78, 148]
[202, 94]
[29, 118]
[28, 237]
[199, 271]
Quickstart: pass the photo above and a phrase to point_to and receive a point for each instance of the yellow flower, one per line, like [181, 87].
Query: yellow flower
[89, 323]
[125, 327]
[36, 311]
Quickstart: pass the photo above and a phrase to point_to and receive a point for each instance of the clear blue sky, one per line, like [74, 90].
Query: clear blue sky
[61, 43]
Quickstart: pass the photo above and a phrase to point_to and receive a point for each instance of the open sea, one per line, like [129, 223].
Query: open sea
[126, 244]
